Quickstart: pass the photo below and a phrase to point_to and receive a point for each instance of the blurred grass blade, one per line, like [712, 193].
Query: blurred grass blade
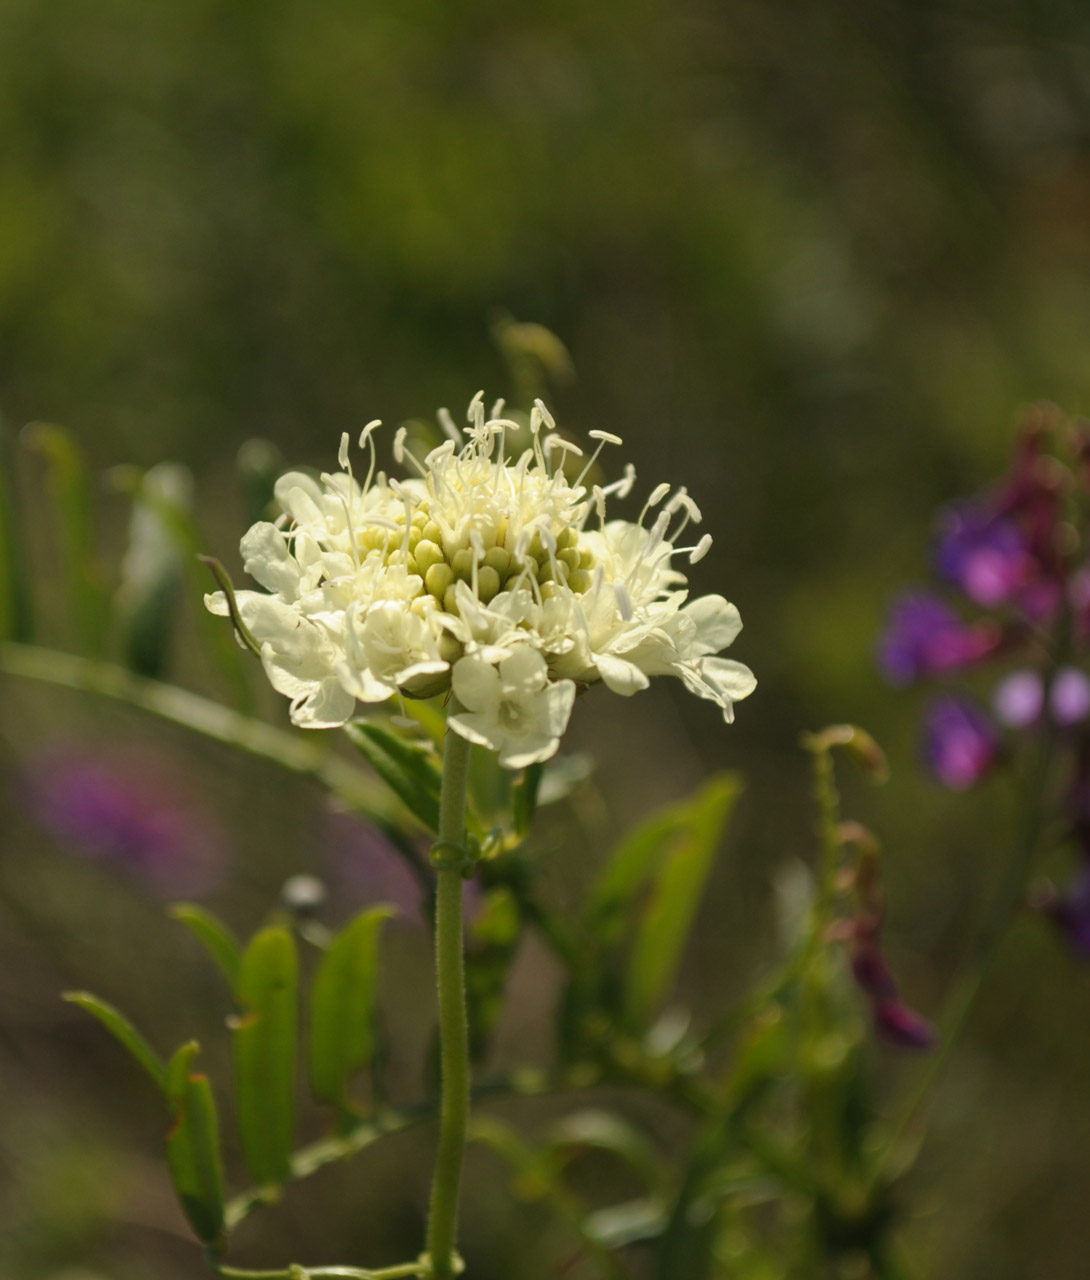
[524, 798]
[214, 936]
[594, 1130]
[668, 920]
[343, 1004]
[260, 464]
[16, 619]
[152, 575]
[407, 770]
[265, 1053]
[610, 899]
[122, 1029]
[193, 1147]
[71, 498]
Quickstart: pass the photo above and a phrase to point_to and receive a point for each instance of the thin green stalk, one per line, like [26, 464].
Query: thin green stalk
[453, 1026]
[401, 1271]
[302, 754]
[1004, 909]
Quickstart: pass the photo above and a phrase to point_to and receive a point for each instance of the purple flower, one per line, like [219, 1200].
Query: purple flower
[129, 812]
[1019, 698]
[960, 742]
[985, 554]
[925, 637]
[904, 1026]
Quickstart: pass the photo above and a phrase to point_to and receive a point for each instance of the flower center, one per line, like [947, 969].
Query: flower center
[489, 560]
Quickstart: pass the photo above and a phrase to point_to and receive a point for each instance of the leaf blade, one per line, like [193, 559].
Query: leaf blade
[123, 1031]
[265, 1035]
[218, 941]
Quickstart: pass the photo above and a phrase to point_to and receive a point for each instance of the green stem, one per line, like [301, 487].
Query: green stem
[1010, 897]
[402, 1271]
[453, 1026]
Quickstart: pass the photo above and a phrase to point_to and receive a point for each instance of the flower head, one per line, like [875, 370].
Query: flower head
[925, 637]
[960, 742]
[501, 579]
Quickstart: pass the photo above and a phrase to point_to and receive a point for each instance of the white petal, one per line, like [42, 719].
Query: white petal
[476, 685]
[266, 558]
[717, 623]
[482, 730]
[622, 677]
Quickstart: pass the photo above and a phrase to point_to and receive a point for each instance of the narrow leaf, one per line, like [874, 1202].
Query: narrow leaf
[413, 779]
[214, 936]
[122, 1029]
[602, 1131]
[342, 1020]
[265, 1053]
[15, 607]
[657, 949]
[193, 1148]
[243, 634]
[71, 498]
[628, 870]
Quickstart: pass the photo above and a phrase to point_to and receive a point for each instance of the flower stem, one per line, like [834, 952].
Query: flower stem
[453, 1027]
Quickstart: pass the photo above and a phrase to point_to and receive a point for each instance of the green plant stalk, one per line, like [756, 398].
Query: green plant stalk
[1007, 902]
[453, 1026]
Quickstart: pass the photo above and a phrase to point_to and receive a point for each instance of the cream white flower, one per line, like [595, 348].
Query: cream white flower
[500, 579]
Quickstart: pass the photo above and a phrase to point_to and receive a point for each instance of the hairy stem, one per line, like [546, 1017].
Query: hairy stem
[453, 1027]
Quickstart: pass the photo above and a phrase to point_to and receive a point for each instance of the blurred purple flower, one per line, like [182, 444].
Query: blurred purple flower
[1019, 698]
[960, 742]
[893, 1019]
[904, 1026]
[128, 812]
[985, 554]
[925, 637]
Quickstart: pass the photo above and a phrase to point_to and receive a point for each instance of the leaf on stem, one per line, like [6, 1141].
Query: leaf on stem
[265, 1035]
[675, 897]
[219, 942]
[124, 1032]
[193, 1146]
[408, 770]
[343, 1005]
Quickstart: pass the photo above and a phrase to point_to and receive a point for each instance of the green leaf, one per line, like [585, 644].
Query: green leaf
[214, 936]
[265, 1053]
[664, 930]
[609, 902]
[243, 634]
[408, 770]
[594, 1130]
[193, 1147]
[342, 1019]
[524, 798]
[71, 498]
[122, 1029]
[16, 621]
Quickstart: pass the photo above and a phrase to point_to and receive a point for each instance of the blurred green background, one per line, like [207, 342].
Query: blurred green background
[808, 259]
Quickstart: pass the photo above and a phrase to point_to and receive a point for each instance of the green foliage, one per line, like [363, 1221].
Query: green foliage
[265, 1041]
[409, 770]
[123, 1031]
[215, 937]
[16, 622]
[343, 1012]
[193, 1147]
[69, 487]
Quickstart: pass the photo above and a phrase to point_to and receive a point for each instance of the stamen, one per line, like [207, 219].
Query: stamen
[449, 427]
[401, 453]
[367, 441]
[603, 438]
[624, 600]
[546, 416]
[657, 494]
[701, 549]
[342, 453]
[623, 487]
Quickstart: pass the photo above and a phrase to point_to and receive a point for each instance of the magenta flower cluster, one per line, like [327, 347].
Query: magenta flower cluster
[1013, 601]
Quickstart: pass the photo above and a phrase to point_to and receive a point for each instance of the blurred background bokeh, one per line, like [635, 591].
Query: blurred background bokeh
[807, 259]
